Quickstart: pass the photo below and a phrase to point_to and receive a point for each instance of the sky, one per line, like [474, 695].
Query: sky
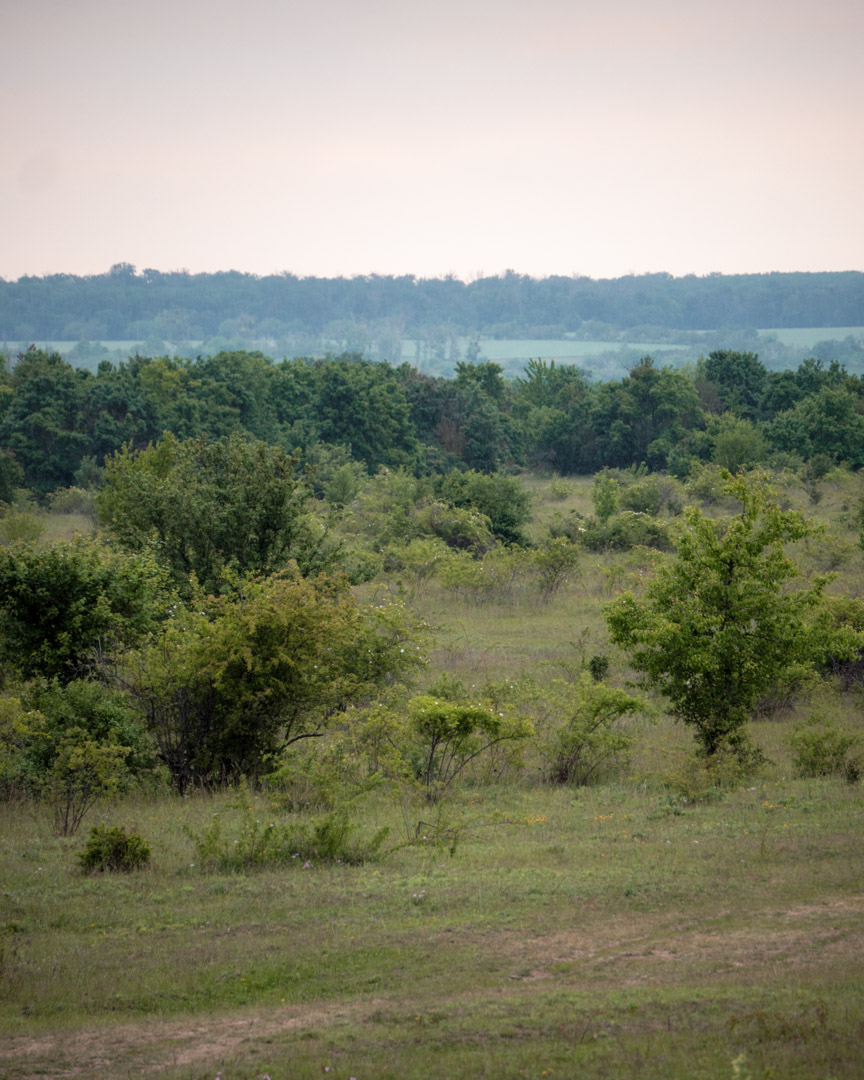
[432, 137]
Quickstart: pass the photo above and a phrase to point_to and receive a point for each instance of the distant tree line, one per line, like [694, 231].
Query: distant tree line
[59, 425]
[123, 304]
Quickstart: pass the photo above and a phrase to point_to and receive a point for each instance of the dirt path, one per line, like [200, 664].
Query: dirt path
[610, 954]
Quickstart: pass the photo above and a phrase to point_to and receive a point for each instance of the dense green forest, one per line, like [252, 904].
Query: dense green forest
[124, 304]
[58, 425]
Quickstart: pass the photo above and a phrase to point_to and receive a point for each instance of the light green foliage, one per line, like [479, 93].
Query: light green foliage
[383, 511]
[643, 497]
[719, 626]
[604, 495]
[820, 748]
[555, 562]
[66, 607]
[694, 778]
[625, 531]
[420, 560]
[83, 772]
[452, 734]
[738, 443]
[18, 725]
[71, 745]
[491, 579]
[343, 484]
[74, 500]
[583, 730]
[706, 484]
[231, 504]
[319, 774]
[21, 526]
[462, 528]
[223, 688]
[113, 850]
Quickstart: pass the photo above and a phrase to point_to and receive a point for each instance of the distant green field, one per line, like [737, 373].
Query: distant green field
[807, 336]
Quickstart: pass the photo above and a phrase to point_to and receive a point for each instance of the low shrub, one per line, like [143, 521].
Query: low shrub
[332, 838]
[820, 748]
[114, 850]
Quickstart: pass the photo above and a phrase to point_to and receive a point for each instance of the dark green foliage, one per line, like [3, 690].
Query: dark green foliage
[71, 745]
[97, 712]
[827, 422]
[363, 406]
[501, 498]
[42, 423]
[125, 305]
[11, 476]
[65, 607]
[739, 378]
[113, 850]
[209, 507]
[598, 667]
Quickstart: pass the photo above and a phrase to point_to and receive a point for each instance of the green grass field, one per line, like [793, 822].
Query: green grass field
[634, 928]
[806, 337]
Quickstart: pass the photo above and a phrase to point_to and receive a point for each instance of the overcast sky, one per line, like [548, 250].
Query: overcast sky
[432, 136]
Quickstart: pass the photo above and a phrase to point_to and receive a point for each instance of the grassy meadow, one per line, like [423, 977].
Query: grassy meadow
[647, 925]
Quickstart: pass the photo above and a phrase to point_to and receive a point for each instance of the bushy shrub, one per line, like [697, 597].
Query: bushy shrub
[73, 500]
[626, 531]
[643, 498]
[695, 778]
[114, 850]
[820, 748]
[21, 526]
[586, 733]
[316, 777]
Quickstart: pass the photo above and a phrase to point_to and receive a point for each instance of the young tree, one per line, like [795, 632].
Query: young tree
[720, 625]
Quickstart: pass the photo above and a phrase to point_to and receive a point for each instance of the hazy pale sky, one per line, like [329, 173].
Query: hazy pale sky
[463, 136]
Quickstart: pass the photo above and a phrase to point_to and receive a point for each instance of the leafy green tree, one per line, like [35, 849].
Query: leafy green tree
[827, 422]
[232, 505]
[501, 498]
[11, 476]
[41, 424]
[66, 607]
[223, 688]
[739, 377]
[737, 442]
[720, 626]
[363, 406]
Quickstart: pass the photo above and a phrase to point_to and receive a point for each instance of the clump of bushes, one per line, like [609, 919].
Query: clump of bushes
[332, 838]
[820, 748]
[113, 850]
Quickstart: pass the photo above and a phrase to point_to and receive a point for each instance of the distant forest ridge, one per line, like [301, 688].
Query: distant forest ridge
[125, 304]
